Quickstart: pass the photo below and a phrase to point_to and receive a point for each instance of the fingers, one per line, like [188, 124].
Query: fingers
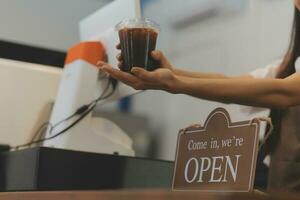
[120, 65]
[143, 74]
[140, 79]
[119, 56]
[122, 76]
[101, 63]
[159, 56]
[120, 60]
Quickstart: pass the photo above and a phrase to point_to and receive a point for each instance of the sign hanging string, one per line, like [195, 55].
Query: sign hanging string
[270, 129]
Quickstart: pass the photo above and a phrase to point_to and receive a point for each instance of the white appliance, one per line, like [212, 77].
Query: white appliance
[80, 84]
[25, 103]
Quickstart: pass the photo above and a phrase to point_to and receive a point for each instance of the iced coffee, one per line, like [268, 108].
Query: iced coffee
[138, 39]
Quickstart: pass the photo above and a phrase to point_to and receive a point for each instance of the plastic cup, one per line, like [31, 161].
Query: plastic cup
[138, 39]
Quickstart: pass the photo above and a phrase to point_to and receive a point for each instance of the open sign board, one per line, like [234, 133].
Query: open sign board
[218, 157]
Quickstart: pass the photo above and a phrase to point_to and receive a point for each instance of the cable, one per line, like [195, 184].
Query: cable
[83, 108]
[83, 111]
[59, 133]
[41, 129]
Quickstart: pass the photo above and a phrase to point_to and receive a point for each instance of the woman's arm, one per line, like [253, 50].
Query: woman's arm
[164, 63]
[203, 75]
[191, 74]
[277, 93]
[271, 93]
[242, 90]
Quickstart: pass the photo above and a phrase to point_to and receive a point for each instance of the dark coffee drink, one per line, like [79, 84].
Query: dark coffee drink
[138, 40]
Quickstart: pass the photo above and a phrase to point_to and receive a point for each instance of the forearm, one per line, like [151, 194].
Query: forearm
[191, 74]
[252, 92]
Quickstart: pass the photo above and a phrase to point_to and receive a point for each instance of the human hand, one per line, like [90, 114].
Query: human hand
[140, 79]
[156, 55]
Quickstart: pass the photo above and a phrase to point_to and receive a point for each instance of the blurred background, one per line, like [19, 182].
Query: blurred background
[224, 36]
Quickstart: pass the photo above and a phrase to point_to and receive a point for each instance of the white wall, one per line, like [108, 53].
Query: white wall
[46, 23]
[232, 45]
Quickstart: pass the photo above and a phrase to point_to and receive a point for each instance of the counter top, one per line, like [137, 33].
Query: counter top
[139, 194]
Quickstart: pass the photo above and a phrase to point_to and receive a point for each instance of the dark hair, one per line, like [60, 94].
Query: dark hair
[286, 68]
[288, 64]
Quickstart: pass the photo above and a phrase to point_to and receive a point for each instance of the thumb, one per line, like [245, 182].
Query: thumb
[159, 56]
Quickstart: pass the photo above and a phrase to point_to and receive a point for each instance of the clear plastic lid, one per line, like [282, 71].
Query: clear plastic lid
[137, 23]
